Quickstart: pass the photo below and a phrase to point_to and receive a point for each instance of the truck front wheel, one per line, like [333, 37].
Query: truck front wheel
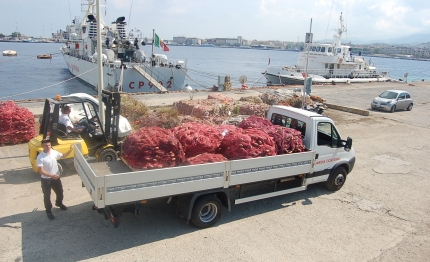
[206, 211]
[336, 179]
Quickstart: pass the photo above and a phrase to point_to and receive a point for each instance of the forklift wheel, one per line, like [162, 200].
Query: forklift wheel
[107, 155]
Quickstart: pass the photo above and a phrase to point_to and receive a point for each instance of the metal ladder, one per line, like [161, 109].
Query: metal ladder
[161, 88]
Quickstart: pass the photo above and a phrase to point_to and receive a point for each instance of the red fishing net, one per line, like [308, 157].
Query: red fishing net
[255, 122]
[198, 138]
[16, 123]
[287, 140]
[247, 143]
[221, 97]
[204, 158]
[150, 148]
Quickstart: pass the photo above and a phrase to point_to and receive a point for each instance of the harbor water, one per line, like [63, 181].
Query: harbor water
[26, 77]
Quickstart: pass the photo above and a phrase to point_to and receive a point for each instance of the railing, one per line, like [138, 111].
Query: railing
[339, 73]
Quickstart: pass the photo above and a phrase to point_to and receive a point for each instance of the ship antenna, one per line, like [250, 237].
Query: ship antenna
[70, 13]
[329, 20]
[129, 16]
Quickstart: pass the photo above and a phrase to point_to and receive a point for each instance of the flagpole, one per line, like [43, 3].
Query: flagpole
[153, 40]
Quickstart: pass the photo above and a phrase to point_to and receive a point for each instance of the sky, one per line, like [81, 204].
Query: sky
[284, 20]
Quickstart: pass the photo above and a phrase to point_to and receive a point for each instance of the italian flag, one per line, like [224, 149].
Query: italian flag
[160, 43]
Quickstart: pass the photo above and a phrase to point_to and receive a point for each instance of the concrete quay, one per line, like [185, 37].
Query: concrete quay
[353, 98]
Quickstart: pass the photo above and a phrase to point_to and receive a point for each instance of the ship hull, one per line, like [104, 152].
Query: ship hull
[172, 78]
[276, 76]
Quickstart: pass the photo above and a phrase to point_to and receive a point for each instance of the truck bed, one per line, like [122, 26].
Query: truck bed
[112, 183]
[109, 168]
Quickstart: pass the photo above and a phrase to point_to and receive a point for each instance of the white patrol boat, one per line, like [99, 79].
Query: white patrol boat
[327, 63]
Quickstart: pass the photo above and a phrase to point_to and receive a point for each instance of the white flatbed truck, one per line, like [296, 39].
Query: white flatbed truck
[199, 191]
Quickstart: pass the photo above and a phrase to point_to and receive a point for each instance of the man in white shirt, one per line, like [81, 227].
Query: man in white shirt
[50, 176]
[65, 120]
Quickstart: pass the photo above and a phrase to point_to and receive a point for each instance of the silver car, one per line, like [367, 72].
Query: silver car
[392, 100]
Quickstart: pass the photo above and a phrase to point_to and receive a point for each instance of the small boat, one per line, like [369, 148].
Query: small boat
[10, 53]
[327, 63]
[29, 40]
[44, 56]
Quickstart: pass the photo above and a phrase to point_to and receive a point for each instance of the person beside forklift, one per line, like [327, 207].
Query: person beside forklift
[97, 141]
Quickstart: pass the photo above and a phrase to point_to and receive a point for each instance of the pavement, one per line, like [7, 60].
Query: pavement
[382, 213]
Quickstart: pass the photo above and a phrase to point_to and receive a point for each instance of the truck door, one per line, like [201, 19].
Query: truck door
[328, 151]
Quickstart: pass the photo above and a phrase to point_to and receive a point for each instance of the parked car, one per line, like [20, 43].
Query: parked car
[392, 100]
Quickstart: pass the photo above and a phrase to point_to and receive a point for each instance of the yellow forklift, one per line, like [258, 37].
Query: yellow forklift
[101, 142]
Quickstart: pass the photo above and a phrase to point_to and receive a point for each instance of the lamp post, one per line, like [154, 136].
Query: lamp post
[308, 40]
[16, 30]
[99, 64]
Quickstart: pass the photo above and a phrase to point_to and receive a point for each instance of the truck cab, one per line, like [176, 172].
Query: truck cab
[319, 133]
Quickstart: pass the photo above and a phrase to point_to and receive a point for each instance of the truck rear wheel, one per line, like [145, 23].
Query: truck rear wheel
[206, 211]
[114, 218]
[336, 179]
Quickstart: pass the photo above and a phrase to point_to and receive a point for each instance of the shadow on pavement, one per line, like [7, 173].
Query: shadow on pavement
[26, 175]
[80, 233]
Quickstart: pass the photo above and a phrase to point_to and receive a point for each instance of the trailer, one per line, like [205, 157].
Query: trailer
[200, 191]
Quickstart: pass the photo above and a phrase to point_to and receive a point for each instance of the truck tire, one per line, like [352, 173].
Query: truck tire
[114, 218]
[336, 179]
[206, 211]
[107, 155]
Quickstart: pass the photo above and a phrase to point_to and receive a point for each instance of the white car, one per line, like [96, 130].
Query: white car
[392, 100]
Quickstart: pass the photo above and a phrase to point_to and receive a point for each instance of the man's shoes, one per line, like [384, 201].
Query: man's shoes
[62, 207]
[50, 215]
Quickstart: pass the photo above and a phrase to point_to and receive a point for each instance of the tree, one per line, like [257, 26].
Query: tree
[2, 35]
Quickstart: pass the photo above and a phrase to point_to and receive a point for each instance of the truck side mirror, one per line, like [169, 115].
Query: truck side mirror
[348, 144]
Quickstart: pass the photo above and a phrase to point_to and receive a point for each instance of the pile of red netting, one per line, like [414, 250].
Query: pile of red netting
[198, 138]
[16, 123]
[153, 147]
[226, 128]
[287, 140]
[255, 122]
[204, 158]
[247, 143]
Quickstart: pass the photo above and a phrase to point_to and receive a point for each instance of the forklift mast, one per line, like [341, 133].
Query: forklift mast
[112, 102]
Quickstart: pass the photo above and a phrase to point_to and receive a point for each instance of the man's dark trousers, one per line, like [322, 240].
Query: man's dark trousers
[56, 185]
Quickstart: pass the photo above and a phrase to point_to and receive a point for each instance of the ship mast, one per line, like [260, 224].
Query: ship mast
[340, 30]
